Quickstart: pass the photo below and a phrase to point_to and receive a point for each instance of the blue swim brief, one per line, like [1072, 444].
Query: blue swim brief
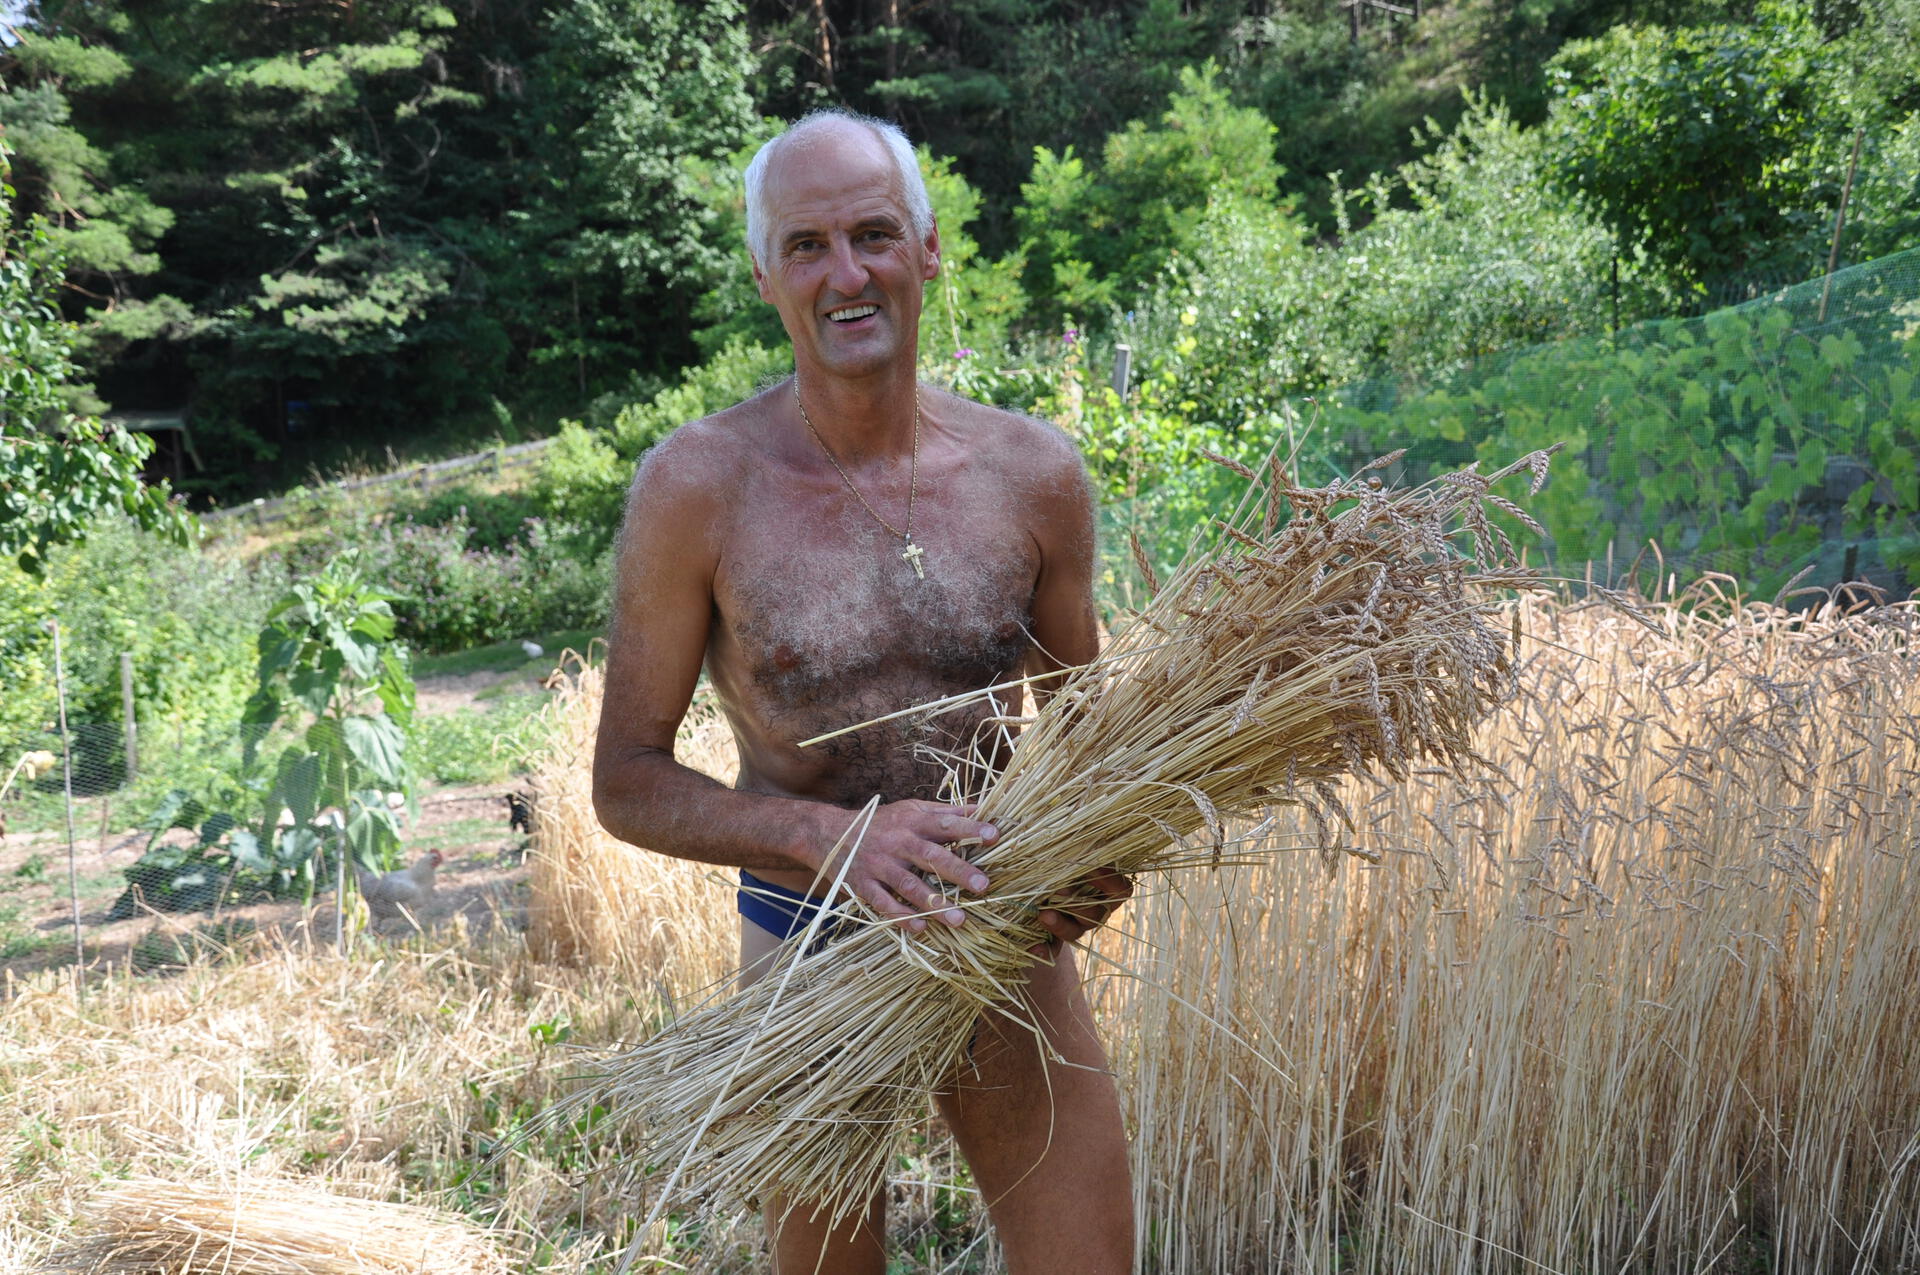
[779, 911]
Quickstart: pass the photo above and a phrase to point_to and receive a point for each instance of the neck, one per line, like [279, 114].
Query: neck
[862, 419]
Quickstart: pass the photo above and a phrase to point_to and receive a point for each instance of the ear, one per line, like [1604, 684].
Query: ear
[932, 246]
[759, 279]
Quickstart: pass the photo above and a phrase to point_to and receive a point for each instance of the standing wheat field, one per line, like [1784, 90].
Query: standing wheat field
[1641, 997]
[1638, 996]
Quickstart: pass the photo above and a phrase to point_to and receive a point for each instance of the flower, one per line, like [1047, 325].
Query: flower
[964, 352]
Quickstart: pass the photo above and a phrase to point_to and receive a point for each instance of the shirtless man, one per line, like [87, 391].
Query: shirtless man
[846, 544]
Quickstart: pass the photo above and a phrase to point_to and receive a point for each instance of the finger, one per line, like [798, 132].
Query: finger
[1112, 883]
[950, 824]
[1064, 927]
[949, 866]
[892, 904]
[925, 901]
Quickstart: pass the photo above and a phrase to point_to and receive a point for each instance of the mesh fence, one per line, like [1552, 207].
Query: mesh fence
[1760, 441]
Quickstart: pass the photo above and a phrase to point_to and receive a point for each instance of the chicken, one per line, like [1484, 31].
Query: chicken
[402, 892]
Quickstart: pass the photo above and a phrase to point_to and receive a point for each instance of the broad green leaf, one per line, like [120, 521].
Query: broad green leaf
[378, 744]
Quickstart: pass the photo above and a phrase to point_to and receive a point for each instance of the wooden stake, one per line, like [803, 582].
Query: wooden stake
[66, 777]
[1839, 223]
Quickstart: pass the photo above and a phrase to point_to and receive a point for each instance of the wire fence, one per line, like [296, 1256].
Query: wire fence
[1775, 438]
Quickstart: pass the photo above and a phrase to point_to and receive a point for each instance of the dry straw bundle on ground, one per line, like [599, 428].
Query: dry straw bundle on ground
[1346, 634]
[155, 1227]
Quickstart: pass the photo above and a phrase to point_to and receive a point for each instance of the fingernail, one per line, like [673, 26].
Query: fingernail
[988, 832]
[954, 916]
[978, 884]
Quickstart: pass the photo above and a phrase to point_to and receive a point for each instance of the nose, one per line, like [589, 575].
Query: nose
[846, 274]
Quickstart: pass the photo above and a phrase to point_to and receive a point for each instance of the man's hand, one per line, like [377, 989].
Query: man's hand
[905, 839]
[1086, 906]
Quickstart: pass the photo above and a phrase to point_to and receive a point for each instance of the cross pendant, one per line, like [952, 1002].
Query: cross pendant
[913, 553]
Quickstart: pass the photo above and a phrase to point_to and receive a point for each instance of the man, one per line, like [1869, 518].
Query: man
[844, 545]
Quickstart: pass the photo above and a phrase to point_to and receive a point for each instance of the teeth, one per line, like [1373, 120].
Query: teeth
[858, 312]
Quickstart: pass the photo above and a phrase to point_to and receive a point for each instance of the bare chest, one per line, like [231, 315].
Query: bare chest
[817, 618]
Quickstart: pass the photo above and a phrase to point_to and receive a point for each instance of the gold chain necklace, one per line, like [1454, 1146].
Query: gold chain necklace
[913, 553]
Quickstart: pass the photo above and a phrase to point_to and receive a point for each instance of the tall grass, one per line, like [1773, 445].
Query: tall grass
[595, 900]
[1642, 998]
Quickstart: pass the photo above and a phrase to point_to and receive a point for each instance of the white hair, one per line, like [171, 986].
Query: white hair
[906, 166]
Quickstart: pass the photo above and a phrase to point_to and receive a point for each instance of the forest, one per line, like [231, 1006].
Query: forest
[339, 235]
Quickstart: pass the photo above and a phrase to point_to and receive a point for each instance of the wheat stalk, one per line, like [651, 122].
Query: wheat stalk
[1353, 637]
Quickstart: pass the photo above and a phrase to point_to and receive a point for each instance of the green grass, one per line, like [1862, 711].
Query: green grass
[485, 745]
[505, 657]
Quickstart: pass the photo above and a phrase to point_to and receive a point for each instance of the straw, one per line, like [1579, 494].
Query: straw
[1328, 632]
[154, 1227]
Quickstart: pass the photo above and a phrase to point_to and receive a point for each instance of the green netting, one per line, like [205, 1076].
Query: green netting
[1756, 441]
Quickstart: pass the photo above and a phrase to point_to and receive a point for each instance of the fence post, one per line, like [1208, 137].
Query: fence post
[1122, 368]
[66, 777]
[126, 712]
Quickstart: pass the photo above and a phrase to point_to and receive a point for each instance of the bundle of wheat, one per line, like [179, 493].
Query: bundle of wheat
[154, 1227]
[1352, 637]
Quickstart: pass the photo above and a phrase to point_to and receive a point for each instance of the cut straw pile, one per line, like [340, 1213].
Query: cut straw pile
[1336, 631]
[154, 1227]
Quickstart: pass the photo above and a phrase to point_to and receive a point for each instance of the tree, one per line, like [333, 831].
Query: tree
[1095, 236]
[59, 472]
[384, 214]
[1694, 140]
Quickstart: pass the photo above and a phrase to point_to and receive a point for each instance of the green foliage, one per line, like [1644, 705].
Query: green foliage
[737, 372]
[187, 617]
[582, 481]
[447, 595]
[1712, 437]
[59, 473]
[1092, 237]
[330, 670]
[391, 203]
[1468, 251]
[475, 745]
[1693, 140]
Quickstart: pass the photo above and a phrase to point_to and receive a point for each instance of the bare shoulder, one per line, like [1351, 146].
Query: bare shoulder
[1024, 447]
[699, 464]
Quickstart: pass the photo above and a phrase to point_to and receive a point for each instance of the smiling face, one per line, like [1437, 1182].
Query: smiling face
[845, 268]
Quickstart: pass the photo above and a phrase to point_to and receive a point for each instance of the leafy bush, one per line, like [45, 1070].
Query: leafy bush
[1091, 236]
[737, 372]
[1694, 140]
[582, 482]
[481, 745]
[1485, 258]
[329, 669]
[187, 616]
[494, 519]
[1705, 435]
[449, 596]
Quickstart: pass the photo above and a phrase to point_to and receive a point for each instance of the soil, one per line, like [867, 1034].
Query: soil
[481, 885]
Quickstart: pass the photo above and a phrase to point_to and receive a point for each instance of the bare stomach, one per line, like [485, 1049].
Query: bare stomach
[946, 759]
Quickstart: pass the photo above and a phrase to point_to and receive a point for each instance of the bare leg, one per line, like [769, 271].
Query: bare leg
[803, 1245]
[1044, 1138]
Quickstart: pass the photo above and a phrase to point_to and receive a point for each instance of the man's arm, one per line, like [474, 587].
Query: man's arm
[1066, 634]
[662, 609]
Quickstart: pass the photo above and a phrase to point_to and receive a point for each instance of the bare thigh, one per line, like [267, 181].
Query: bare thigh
[1040, 1127]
